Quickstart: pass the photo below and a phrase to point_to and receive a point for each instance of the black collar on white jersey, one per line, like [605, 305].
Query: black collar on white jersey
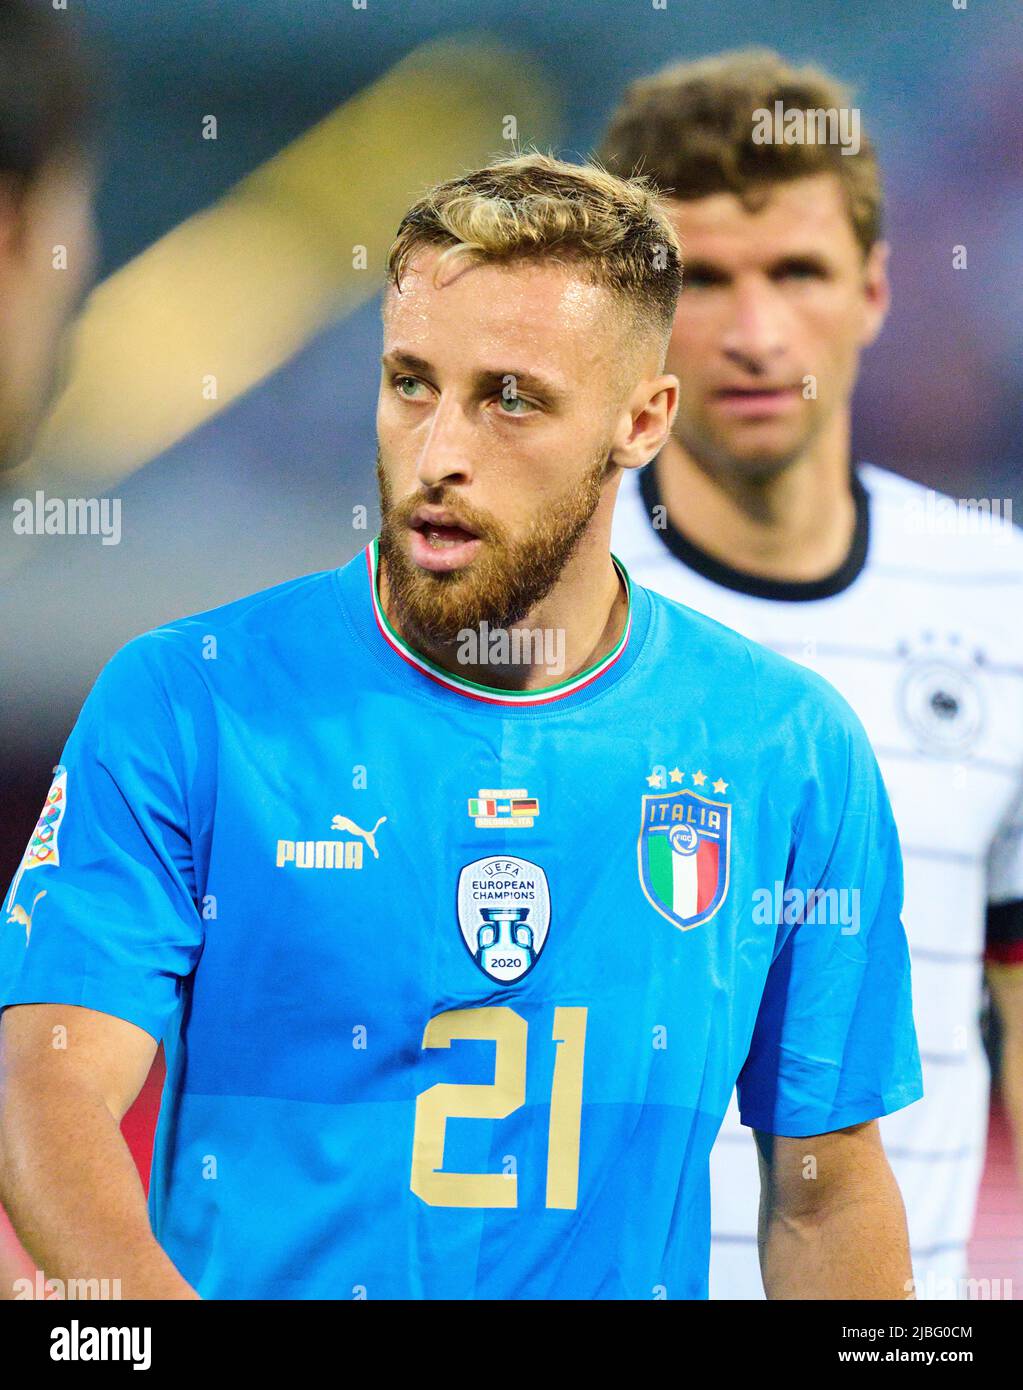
[784, 590]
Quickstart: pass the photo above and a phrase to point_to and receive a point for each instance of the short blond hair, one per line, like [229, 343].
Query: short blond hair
[689, 128]
[535, 208]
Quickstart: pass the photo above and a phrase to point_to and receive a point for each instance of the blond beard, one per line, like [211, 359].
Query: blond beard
[507, 579]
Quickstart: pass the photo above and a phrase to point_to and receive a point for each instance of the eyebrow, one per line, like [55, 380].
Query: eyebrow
[699, 265]
[484, 380]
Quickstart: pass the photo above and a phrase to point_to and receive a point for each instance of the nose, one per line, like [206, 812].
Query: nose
[445, 456]
[756, 333]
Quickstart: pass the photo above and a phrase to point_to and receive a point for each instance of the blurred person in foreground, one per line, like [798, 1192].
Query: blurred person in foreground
[434, 873]
[46, 256]
[756, 513]
[47, 241]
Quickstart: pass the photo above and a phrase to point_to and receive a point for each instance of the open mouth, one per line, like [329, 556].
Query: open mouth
[440, 534]
[440, 542]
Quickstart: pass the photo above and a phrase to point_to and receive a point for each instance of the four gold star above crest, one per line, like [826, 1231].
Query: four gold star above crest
[675, 774]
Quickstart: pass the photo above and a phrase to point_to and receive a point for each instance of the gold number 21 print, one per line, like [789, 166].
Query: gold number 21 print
[507, 1091]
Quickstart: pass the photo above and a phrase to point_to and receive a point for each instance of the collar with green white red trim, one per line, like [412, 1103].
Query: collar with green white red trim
[490, 694]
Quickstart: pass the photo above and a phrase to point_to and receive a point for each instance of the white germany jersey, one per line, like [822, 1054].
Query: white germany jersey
[921, 629]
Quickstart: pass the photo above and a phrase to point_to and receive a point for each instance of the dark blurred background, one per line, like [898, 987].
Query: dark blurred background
[222, 380]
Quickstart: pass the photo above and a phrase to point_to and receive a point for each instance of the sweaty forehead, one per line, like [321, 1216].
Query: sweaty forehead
[807, 214]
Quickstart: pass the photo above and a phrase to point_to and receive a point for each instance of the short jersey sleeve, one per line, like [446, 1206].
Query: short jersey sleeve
[834, 1043]
[102, 911]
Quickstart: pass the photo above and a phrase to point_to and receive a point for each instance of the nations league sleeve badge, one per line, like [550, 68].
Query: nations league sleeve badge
[504, 912]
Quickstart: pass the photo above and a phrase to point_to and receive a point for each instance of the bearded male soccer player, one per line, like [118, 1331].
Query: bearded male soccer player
[752, 514]
[456, 964]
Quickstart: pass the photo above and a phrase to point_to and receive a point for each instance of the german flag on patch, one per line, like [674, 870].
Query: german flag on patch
[524, 806]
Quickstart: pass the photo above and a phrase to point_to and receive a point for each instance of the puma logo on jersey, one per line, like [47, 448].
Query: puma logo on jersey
[330, 854]
[23, 918]
[343, 823]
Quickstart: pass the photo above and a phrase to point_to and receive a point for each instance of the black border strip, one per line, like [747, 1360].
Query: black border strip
[783, 590]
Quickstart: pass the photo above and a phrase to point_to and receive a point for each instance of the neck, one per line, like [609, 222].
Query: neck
[796, 525]
[579, 622]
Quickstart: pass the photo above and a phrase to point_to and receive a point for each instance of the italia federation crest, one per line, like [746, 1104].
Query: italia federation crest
[684, 844]
[504, 912]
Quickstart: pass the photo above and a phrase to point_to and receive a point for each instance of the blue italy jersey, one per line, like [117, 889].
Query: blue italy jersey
[455, 983]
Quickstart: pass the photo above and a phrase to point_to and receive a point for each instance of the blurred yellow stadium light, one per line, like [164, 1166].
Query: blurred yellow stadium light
[237, 289]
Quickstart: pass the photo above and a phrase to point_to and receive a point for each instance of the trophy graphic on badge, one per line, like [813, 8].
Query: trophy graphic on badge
[504, 945]
[505, 937]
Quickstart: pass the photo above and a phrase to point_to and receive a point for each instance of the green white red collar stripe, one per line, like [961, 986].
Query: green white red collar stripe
[490, 694]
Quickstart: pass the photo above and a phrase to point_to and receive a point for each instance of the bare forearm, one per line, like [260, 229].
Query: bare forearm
[74, 1197]
[1011, 1086]
[1006, 984]
[849, 1249]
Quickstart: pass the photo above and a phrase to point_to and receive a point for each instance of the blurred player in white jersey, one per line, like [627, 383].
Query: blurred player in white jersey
[755, 514]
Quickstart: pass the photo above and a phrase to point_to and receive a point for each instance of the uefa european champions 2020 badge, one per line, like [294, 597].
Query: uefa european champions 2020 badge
[504, 913]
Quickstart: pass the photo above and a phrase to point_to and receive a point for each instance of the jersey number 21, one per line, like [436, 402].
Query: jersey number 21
[438, 1104]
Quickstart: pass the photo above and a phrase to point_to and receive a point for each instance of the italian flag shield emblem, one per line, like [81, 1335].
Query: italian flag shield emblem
[684, 846]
